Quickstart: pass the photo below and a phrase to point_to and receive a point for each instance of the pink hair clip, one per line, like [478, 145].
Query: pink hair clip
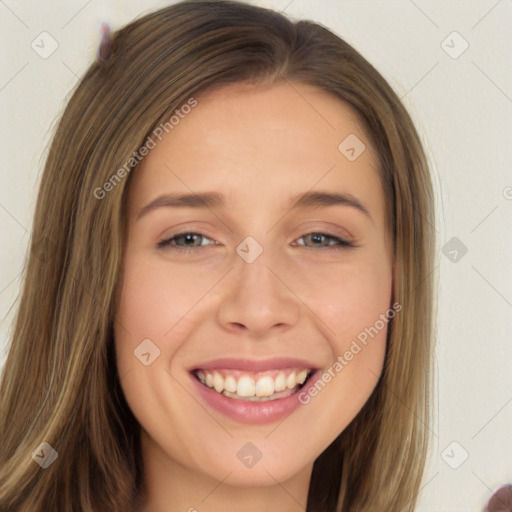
[500, 500]
[104, 49]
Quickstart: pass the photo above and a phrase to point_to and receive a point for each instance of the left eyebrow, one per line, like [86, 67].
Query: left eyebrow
[215, 200]
[323, 199]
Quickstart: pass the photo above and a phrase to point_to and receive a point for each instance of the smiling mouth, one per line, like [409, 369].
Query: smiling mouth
[254, 386]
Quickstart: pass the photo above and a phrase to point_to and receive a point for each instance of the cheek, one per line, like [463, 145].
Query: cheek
[352, 302]
[349, 298]
[159, 302]
[155, 297]
[346, 297]
[145, 312]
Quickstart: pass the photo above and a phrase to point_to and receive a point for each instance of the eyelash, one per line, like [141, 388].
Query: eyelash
[166, 243]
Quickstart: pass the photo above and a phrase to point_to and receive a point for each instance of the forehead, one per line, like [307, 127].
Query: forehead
[253, 142]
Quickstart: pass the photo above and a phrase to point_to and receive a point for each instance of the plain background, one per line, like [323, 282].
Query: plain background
[461, 102]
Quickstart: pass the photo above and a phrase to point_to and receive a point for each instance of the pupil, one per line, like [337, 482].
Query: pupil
[316, 237]
[189, 237]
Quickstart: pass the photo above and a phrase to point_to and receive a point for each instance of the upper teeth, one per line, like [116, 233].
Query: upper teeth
[246, 385]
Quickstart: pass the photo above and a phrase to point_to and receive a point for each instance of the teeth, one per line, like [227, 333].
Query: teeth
[218, 382]
[236, 384]
[301, 376]
[230, 384]
[265, 386]
[280, 382]
[291, 381]
[245, 387]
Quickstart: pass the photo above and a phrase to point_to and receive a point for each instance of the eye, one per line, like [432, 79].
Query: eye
[318, 238]
[188, 238]
[192, 241]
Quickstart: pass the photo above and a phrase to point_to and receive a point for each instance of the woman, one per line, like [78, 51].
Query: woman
[281, 364]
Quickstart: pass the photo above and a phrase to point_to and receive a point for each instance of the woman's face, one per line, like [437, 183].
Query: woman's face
[264, 291]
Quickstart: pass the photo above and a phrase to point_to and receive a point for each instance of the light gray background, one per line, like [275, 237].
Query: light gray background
[463, 109]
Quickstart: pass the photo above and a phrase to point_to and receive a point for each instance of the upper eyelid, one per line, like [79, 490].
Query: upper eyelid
[189, 232]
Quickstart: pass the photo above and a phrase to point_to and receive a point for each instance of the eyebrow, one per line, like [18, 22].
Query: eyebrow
[215, 200]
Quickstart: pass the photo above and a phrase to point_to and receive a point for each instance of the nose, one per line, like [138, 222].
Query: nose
[260, 298]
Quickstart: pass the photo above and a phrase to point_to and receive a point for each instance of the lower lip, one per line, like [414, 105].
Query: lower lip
[253, 413]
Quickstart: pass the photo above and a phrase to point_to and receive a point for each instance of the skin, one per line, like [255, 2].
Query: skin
[259, 146]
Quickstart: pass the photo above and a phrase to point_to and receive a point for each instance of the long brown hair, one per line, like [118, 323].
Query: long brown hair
[60, 385]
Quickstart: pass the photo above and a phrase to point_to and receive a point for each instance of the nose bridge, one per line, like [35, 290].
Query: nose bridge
[256, 271]
[257, 296]
[257, 274]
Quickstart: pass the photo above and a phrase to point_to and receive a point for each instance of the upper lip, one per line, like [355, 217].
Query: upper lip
[254, 365]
